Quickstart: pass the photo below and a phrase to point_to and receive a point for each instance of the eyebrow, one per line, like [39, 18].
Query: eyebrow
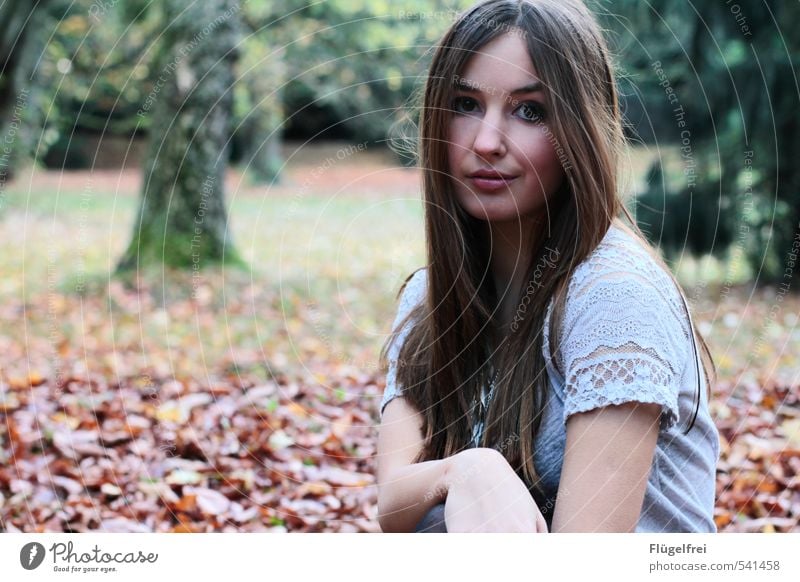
[468, 87]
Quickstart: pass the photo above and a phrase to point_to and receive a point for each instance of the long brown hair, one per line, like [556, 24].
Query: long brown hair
[444, 361]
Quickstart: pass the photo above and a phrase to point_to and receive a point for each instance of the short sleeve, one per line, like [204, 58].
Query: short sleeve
[624, 340]
[412, 295]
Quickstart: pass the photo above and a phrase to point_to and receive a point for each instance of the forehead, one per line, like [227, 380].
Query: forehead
[502, 64]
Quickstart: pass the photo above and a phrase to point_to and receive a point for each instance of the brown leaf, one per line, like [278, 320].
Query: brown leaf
[315, 488]
[209, 501]
[187, 503]
[186, 527]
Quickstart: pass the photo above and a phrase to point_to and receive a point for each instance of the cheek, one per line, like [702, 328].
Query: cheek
[456, 149]
[541, 156]
[457, 137]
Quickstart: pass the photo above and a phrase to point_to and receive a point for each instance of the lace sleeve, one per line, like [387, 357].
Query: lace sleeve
[624, 339]
[412, 295]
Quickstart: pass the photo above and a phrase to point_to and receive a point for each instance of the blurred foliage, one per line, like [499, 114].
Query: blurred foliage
[341, 68]
[98, 68]
[91, 75]
[354, 64]
[732, 68]
[350, 69]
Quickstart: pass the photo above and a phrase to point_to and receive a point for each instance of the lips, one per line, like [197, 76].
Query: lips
[490, 180]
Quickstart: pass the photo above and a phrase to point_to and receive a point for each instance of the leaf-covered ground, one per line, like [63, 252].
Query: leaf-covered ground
[247, 400]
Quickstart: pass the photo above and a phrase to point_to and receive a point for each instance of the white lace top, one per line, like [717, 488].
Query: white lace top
[625, 337]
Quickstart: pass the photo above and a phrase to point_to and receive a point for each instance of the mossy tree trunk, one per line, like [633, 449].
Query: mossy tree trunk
[182, 220]
[24, 30]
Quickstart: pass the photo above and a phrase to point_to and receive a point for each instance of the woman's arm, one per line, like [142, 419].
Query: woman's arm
[607, 460]
[406, 490]
[481, 490]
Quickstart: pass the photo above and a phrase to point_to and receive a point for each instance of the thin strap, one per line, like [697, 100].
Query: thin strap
[696, 399]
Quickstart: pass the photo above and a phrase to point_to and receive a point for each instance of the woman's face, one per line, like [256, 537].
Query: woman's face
[501, 153]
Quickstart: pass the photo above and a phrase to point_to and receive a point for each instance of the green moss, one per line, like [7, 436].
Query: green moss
[178, 251]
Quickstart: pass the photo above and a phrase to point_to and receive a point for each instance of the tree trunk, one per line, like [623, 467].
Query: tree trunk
[259, 108]
[182, 221]
[22, 39]
[262, 157]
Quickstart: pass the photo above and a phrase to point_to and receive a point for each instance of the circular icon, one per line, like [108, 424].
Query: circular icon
[31, 555]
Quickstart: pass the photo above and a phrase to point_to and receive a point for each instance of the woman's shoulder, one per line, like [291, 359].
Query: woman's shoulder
[413, 289]
[418, 278]
[622, 279]
[621, 257]
[412, 292]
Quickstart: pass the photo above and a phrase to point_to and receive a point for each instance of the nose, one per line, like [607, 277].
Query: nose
[490, 140]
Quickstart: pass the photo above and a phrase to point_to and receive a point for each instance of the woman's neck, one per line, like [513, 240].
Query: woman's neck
[511, 247]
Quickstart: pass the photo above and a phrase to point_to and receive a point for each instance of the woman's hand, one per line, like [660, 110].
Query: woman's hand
[486, 495]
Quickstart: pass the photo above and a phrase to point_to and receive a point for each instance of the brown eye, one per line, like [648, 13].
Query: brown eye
[531, 111]
[465, 105]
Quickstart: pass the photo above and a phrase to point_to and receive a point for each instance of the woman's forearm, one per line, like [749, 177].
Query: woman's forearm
[410, 491]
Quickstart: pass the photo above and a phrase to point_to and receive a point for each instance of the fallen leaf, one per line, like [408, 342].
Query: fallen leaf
[110, 489]
[184, 477]
[791, 430]
[279, 440]
[209, 501]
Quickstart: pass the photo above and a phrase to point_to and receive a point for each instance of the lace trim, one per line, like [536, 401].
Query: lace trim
[619, 380]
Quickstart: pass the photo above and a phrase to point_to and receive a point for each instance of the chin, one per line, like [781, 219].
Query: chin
[494, 217]
[491, 211]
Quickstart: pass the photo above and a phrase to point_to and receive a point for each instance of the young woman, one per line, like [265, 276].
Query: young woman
[543, 372]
